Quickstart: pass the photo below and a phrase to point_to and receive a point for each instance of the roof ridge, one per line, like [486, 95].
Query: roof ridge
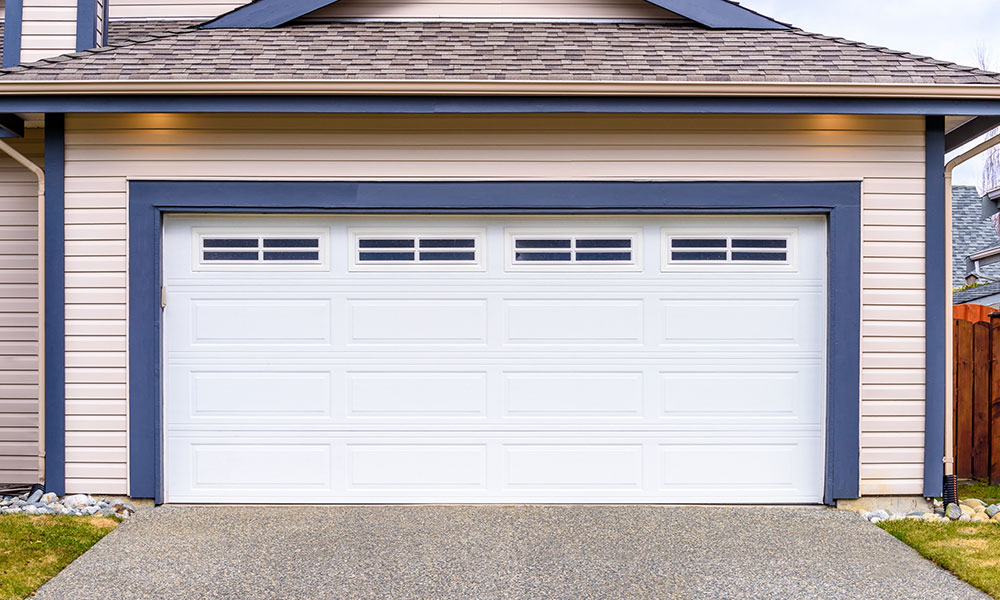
[900, 53]
[61, 58]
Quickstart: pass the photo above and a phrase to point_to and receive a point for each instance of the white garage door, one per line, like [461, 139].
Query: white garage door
[495, 359]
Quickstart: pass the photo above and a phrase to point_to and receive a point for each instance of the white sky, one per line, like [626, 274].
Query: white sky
[944, 29]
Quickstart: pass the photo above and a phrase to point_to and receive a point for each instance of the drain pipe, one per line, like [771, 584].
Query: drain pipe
[40, 175]
[950, 481]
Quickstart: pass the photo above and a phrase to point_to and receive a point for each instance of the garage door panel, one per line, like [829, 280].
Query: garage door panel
[425, 394]
[562, 383]
[423, 321]
[227, 394]
[574, 321]
[572, 394]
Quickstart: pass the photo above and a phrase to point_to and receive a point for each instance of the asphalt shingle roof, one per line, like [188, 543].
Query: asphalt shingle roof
[970, 232]
[980, 291]
[496, 51]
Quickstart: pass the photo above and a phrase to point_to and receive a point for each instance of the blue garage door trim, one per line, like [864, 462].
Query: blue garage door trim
[149, 201]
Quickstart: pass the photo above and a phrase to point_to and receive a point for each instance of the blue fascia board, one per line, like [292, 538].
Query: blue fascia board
[967, 132]
[335, 104]
[13, 16]
[86, 25]
[265, 14]
[937, 292]
[149, 201]
[11, 126]
[719, 14]
[55, 305]
[714, 14]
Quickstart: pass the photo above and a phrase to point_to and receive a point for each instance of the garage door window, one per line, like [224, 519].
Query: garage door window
[736, 251]
[603, 250]
[228, 249]
[400, 251]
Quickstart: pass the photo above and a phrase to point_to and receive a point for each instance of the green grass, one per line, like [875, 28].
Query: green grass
[34, 548]
[971, 488]
[969, 550]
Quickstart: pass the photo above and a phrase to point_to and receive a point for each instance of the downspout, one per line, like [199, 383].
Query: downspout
[949, 415]
[40, 174]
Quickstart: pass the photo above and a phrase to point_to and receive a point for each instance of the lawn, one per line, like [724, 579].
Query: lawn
[970, 551]
[34, 548]
[970, 488]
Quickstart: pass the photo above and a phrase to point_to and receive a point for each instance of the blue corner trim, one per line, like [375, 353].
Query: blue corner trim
[715, 14]
[11, 126]
[13, 16]
[334, 104]
[55, 305]
[104, 26]
[86, 25]
[149, 201]
[937, 296]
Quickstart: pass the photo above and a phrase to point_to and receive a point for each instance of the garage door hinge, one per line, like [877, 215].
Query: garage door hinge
[163, 296]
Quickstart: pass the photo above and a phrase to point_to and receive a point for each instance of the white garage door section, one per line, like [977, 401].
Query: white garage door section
[495, 359]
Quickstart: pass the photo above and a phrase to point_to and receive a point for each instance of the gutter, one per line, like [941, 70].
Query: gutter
[11, 86]
[949, 417]
[40, 175]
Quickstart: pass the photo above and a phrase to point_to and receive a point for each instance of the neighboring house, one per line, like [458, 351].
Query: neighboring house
[387, 251]
[987, 294]
[971, 235]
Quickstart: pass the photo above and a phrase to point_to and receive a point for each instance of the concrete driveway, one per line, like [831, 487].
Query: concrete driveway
[486, 552]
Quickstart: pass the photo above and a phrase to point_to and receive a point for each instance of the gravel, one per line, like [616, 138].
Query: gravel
[970, 509]
[500, 552]
[37, 503]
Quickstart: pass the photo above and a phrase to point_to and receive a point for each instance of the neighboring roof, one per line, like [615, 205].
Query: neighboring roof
[970, 295]
[499, 51]
[716, 14]
[121, 33]
[970, 233]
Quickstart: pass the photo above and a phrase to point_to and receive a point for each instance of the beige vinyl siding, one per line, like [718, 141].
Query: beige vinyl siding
[167, 9]
[48, 29]
[19, 314]
[493, 9]
[105, 151]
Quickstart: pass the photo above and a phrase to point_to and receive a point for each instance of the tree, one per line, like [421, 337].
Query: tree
[990, 179]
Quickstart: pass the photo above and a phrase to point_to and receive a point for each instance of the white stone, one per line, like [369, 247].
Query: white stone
[48, 498]
[78, 501]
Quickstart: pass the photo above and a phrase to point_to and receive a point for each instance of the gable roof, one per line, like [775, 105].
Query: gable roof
[972, 294]
[970, 232]
[490, 51]
[714, 14]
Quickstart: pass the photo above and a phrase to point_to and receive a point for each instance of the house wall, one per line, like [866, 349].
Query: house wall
[19, 314]
[48, 29]
[104, 151]
[479, 9]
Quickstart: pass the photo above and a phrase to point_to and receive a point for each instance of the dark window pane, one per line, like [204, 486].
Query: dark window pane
[387, 256]
[702, 243]
[385, 243]
[291, 243]
[604, 256]
[698, 256]
[230, 243]
[760, 256]
[542, 244]
[470, 256]
[291, 256]
[760, 243]
[603, 243]
[542, 257]
[448, 243]
[230, 256]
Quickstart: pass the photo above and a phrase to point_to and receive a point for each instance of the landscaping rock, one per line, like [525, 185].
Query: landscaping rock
[48, 498]
[980, 519]
[967, 510]
[35, 495]
[965, 518]
[992, 510]
[953, 512]
[78, 501]
[972, 502]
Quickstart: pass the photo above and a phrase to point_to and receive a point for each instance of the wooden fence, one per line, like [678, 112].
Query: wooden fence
[977, 398]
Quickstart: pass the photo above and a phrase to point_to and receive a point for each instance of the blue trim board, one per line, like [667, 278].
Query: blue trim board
[937, 298]
[149, 201]
[334, 104]
[967, 132]
[714, 14]
[13, 15]
[86, 25]
[55, 305]
[11, 126]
